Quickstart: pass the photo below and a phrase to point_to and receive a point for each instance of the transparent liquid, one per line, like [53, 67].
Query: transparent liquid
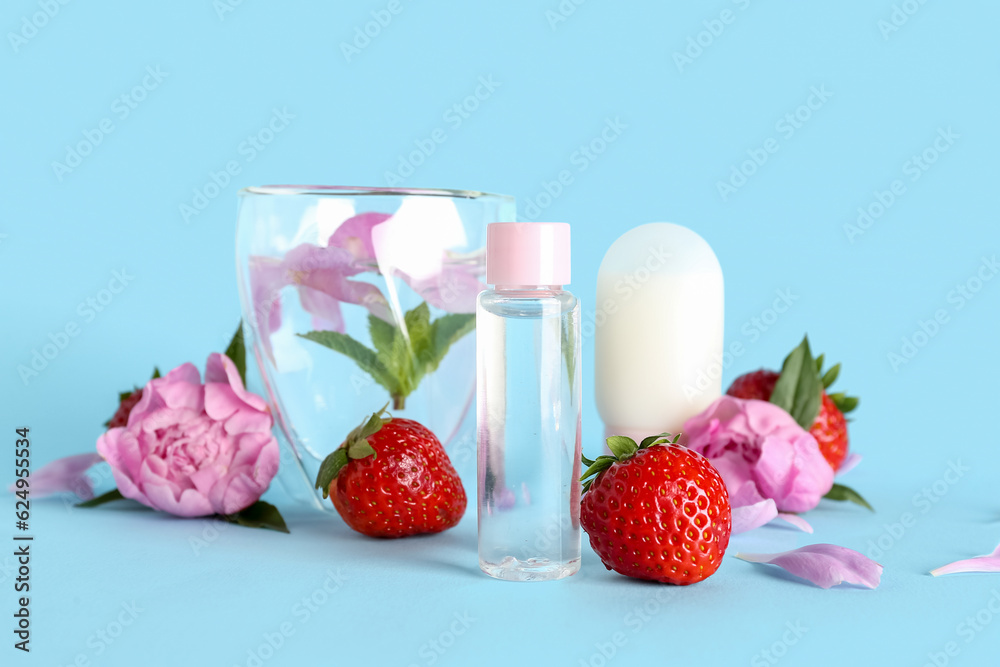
[528, 419]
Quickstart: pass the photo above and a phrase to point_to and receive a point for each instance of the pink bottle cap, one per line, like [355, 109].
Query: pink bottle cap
[527, 253]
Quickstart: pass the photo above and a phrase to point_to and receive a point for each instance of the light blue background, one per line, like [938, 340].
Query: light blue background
[559, 83]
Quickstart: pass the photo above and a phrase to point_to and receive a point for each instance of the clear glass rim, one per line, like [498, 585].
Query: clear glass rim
[365, 191]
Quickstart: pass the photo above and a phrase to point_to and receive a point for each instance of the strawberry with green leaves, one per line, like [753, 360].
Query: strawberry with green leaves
[800, 389]
[392, 478]
[656, 510]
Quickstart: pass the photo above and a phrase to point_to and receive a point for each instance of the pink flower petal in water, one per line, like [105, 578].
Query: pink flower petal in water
[825, 565]
[506, 499]
[322, 276]
[453, 290]
[327, 270]
[65, 474]
[988, 563]
[849, 463]
[324, 309]
[797, 521]
[267, 278]
[355, 235]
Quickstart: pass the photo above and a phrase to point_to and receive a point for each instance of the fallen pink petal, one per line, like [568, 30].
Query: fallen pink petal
[748, 517]
[850, 462]
[65, 474]
[797, 521]
[825, 565]
[987, 563]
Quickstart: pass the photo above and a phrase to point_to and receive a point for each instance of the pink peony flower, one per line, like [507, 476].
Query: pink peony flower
[194, 449]
[755, 441]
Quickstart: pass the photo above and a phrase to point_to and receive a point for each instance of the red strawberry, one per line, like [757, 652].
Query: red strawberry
[392, 478]
[127, 402]
[830, 431]
[828, 426]
[656, 510]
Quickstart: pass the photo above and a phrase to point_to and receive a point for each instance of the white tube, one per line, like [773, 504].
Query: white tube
[659, 330]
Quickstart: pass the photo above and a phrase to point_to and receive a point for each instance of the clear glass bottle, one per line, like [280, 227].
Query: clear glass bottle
[528, 406]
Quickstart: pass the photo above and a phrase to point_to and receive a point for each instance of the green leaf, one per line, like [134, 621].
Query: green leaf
[587, 462]
[623, 447]
[394, 355]
[108, 497]
[841, 492]
[359, 449]
[597, 465]
[364, 357]
[844, 402]
[329, 469]
[402, 357]
[819, 363]
[831, 376]
[421, 334]
[370, 427]
[446, 331]
[383, 334]
[798, 390]
[156, 373]
[236, 351]
[259, 515]
[651, 440]
[596, 468]
[848, 404]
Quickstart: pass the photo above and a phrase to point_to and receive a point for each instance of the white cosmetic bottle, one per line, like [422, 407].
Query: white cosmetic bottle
[658, 346]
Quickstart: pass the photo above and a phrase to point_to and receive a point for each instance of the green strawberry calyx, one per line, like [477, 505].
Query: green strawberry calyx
[355, 446]
[622, 449]
[843, 402]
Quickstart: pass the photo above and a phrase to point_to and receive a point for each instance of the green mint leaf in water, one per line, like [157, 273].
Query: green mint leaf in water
[402, 356]
[366, 359]
[420, 332]
[448, 330]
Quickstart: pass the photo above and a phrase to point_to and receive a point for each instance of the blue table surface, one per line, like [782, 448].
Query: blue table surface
[124, 586]
[903, 128]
